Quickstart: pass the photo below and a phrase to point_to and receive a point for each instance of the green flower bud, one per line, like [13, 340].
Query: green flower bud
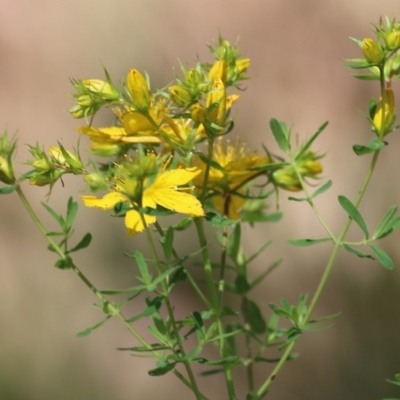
[372, 51]
[96, 181]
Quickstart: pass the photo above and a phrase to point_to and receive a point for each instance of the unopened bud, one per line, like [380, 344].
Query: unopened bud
[393, 40]
[218, 71]
[372, 51]
[198, 113]
[179, 95]
[138, 89]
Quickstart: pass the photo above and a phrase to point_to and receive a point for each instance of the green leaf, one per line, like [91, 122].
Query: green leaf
[142, 264]
[63, 263]
[209, 161]
[162, 370]
[322, 189]
[179, 276]
[167, 243]
[254, 316]
[373, 145]
[367, 77]
[57, 217]
[357, 253]
[182, 224]
[7, 189]
[382, 257]
[223, 361]
[310, 141]
[72, 210]
[353, 213]
[218, 221]
[280, 135]
[268, 167]
[307, 242]
[233, 246]
[85, 241]
[388, 224]
[89, 330]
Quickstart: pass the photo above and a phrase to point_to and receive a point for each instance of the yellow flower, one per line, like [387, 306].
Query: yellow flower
[161, 191]
[236, 163]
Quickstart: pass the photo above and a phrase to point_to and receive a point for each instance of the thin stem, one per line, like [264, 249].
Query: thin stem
[170, 311]
[214, 300]
[328, 269]
[111, 308]
[191, 279]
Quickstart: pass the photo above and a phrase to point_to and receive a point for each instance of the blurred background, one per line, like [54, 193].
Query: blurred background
[296, 49]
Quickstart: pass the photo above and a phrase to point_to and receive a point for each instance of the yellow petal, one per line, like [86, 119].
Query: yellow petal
[105, 203]
[134, 222]
[178, 201]
[174, 177]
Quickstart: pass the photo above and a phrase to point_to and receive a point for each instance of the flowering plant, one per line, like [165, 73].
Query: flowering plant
[168, 154]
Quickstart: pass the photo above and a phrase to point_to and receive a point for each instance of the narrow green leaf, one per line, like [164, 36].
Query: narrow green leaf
[382, 257]
[373, 145]
[357, 253]
[268, 167]
[322, 189]
[353, 213]
[280, 136]
[233, 246]
[218, 221]
[57, 217]
[183, 224]
[206, 160]
[385, 226]
[310, 141]
[254, 316]
[223, 361]
[162, 370]
[85, 241]
[167, 243]
[7, 189]
[142, 264]
[72, 210]
[307, 242]
[89, 330]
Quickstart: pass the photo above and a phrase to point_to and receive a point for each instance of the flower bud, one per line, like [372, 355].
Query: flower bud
[241, 66]
[138, 89]
[42, 164]
[192, 78]
[96, 181]
[372, 51]
[106, 149]
[101, 88]
[383, 120]
[6, 171]
[393, 40]
[64, 158]
[216, 103]
[198, 113]
[179, 95]
[287, 179]
[218, 71]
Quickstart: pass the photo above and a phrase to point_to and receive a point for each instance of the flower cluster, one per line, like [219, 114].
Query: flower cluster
[382, 60]
[166, 150]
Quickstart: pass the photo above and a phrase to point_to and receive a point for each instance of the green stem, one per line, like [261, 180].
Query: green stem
[170, 311]
[189, 276]
[112, 308]
[328, 269]
[214, 301]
